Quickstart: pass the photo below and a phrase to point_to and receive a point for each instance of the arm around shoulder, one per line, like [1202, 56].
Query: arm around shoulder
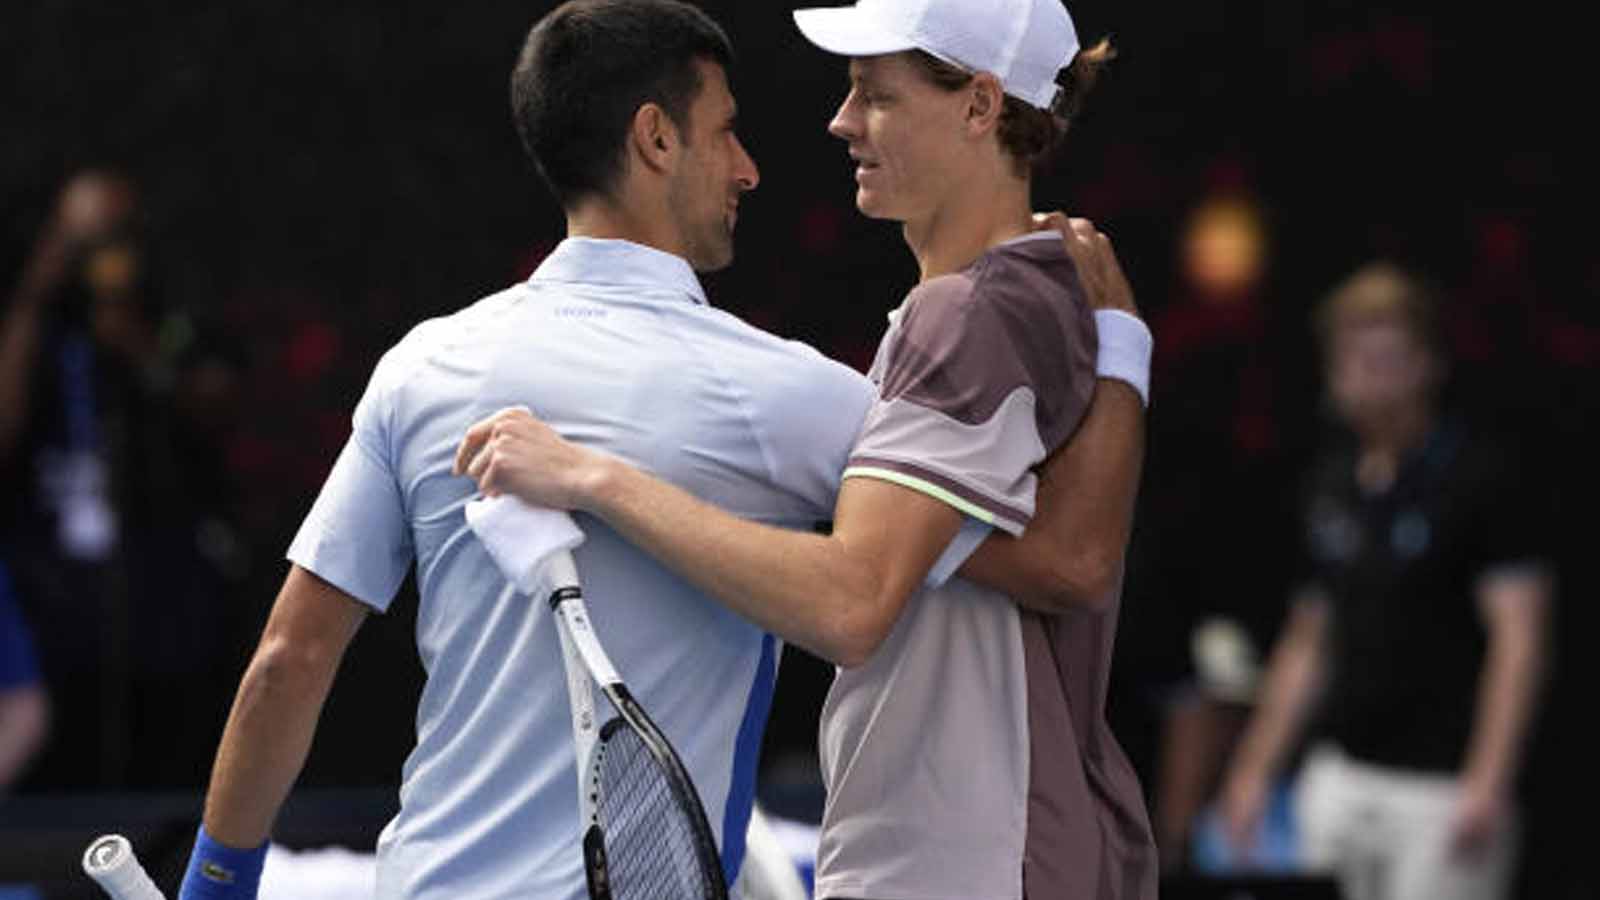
[1071, 555]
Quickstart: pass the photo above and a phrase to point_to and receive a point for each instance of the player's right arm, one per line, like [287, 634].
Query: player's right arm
[1294, 678]
[275, 712]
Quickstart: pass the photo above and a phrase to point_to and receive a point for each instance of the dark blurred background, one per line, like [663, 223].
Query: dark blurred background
[315, 179]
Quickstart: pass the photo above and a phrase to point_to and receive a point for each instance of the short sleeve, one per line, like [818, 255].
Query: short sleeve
[806, 417]
[357, 536]
[1508, 531]
[18, 665]
[979, 381]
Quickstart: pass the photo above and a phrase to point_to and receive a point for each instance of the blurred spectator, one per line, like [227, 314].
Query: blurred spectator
[1217, 454]
[1419, 636]
[112, 409]
[24, 708]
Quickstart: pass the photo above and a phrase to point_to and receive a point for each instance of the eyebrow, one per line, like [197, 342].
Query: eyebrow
[860, 76]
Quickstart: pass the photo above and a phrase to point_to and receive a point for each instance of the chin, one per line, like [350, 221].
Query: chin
[873, 206]
[714, 260]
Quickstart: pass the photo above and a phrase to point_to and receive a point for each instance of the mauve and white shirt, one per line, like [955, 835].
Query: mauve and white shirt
[969, 758]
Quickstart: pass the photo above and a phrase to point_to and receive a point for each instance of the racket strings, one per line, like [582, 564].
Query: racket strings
[649, 840]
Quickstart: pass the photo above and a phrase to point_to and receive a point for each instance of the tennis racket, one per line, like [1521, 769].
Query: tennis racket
[111, 862]
[645, 833]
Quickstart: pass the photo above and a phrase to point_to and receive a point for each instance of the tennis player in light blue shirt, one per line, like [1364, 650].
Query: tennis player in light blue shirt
[613, 342]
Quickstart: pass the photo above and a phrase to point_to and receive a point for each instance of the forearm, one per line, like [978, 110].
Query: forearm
[1293, 680]
[1072, 552]
[1507, 696]
[808, 588]
[24, 720]
[19, 336]
[265, 742]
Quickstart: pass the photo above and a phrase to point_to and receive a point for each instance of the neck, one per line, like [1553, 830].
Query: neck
[603, 219]
[1385, 443]
[974, 217]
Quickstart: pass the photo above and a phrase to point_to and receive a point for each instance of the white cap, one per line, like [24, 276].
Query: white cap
[1024, 43]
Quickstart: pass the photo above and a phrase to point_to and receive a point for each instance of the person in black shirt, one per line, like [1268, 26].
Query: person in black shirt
[115, 500]
[1415, 649]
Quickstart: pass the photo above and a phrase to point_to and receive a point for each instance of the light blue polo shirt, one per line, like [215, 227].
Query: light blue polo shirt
[613, 344]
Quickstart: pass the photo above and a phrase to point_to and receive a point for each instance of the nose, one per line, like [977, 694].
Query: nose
[744, 168]
[846, 124]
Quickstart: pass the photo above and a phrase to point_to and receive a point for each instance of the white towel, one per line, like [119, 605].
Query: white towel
[521, 538]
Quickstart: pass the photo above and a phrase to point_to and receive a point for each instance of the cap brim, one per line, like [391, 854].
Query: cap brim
[846, 31]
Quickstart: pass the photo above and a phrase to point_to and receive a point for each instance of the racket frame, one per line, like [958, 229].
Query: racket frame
[586, 659]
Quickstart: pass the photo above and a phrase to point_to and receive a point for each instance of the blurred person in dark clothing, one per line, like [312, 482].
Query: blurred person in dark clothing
[115, 513]
[1219, 443]
[24, 706]
[1418, 639]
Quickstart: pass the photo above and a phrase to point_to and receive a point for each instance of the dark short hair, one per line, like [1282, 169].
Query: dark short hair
[1030, 134]
[586, 69]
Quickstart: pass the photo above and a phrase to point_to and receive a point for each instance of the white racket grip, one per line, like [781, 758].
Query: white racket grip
[561, 571]
[110, 861]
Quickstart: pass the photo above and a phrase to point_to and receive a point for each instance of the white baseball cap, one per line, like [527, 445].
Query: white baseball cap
[1024, 43]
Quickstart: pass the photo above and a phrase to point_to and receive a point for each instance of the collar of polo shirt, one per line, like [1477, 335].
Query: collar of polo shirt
[621, 264]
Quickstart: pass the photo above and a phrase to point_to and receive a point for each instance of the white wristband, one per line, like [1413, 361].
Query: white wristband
[1125, 349]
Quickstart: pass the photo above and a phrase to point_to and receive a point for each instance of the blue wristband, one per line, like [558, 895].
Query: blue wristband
[217, 872]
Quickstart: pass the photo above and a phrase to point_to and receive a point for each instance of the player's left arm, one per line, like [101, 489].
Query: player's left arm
[1071, 554]
[837, 595]
[1514, 605]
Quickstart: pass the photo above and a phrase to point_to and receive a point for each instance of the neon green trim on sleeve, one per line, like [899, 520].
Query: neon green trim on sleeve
[923, 487]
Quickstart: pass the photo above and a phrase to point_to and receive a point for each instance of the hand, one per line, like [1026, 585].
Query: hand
[1098, 269]
[1479, 817]
[1243, 800]
[512, 452]
[90, 205]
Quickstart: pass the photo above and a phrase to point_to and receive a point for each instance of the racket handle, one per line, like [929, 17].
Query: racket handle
[110, 861]
[561, 570]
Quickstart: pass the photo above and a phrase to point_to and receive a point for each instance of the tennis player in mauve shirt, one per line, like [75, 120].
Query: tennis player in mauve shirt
[964, 744]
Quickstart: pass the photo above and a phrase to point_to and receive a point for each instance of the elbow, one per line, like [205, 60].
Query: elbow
[858, 631]
[27, 711]
[853, 650]
[282, 664]
[1087, 580]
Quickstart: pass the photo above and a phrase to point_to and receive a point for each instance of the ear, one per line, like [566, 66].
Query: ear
[654, 138]
[986, 100]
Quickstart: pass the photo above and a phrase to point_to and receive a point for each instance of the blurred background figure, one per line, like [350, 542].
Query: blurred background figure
[24, 706]
[112, 412]
[1415, 650]
[1218, 452]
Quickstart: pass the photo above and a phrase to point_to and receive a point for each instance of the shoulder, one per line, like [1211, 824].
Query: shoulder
[938, 305]
[1033, 285]
[404, 360]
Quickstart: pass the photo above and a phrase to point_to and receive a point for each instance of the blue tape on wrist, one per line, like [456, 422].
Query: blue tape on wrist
[219, 872]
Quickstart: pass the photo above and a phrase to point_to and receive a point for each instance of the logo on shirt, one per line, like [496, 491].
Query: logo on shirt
[1410, 535]
[1335, 535]
[580, 312]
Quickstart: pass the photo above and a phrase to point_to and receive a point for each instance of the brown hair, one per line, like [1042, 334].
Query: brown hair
[1028, 133]
[1381, 293]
